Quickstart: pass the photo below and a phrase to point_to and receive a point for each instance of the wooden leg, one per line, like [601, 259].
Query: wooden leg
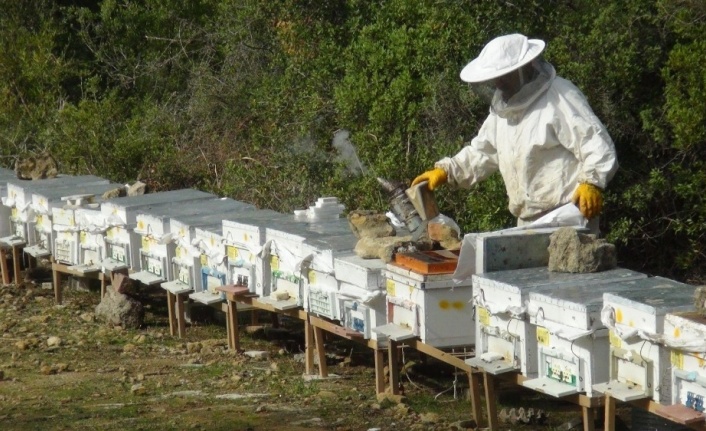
[491, 401]
[393, 359]
[589, 419]
[101, 277]
[181, 315]
[320, 351]
[232, 323]
[474, 391]
[309, 348]
[17, 261]
[4, 266]
[379, 371]
[275, 319]
[56, 279]
[171, 302]
[609, 420]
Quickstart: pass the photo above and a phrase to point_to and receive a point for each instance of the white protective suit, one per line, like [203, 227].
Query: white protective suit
[545, 140]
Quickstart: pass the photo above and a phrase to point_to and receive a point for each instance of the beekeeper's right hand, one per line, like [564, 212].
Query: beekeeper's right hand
[435, 178]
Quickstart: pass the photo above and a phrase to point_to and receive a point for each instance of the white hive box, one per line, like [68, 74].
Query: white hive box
[214, 264]
[83, 248]
[120, 217]
[245, 242]
[45, 202]
[572, 341]
[320, 284]
[505, 339]
[5, 176]
[432, 307]
[685, 337]
[639, 365]
[361, 294]
[184, 258]
[78, 236]
[156, 246]
[19, 200]
[285, 257]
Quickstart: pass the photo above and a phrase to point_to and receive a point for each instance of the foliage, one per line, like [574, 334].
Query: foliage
[249, 99]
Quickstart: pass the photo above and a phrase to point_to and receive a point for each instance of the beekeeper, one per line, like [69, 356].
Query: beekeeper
[541, 134]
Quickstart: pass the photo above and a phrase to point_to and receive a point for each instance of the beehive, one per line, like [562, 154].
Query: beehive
[19, 200]
[361, 294]
[157, 247]
[5, 176]
[572, 341]
[639, 364]
[245, 243]
[429, 306]
[505, 339]
[120, 216]
[685, 337]
[61, 201]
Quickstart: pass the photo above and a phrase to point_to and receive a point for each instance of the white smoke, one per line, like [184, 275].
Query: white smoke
[347, 153]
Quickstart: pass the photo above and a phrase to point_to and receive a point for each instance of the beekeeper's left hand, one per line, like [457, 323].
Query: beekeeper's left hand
[589, 199]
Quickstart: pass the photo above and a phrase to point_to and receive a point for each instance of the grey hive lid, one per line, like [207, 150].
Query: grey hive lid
[199, 208]
[159, 198]
[58, 193]
[655, 295]
[532, 279]
[60, 181]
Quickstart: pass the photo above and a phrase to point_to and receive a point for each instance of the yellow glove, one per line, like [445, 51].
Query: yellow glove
[589, 199]
[435, 178]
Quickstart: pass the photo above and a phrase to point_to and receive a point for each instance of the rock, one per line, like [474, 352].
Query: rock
[256, 354]
[464, 425]
[121, 283]
[385, 248]
[571, 251]
[36, 167]
[88, 317]
[47, 370]
[445, 234]
[429, 418]
[118, 309]
[22, 345]
[117, 192]
[138, 389]
[136, 189]
[370, 224]
[193, 347]
[391, 398]
[53, 341]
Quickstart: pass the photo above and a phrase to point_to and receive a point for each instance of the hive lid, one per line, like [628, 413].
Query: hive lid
[429, 262]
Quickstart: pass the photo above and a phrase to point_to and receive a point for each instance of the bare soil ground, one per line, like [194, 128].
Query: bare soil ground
[61, 369]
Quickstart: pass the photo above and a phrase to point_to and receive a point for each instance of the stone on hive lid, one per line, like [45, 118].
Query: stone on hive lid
[571, 251]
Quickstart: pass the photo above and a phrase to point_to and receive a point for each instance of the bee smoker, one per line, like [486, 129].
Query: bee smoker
[414, 206]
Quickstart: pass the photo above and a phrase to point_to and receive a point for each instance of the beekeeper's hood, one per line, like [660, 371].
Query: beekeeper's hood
[501, 56]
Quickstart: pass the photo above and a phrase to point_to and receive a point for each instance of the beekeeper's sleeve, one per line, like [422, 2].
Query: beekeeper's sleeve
[476, 161]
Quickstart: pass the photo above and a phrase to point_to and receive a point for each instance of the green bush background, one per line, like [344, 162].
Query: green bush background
[250, 99]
